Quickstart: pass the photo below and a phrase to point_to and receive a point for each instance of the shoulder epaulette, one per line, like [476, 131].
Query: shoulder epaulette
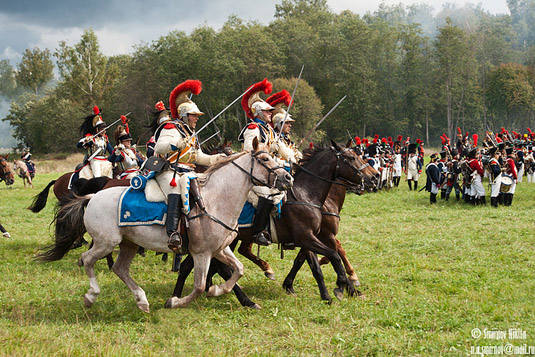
[252, 126]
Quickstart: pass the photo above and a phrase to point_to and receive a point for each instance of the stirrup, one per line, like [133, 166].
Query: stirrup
[262, 238]
[175, 242]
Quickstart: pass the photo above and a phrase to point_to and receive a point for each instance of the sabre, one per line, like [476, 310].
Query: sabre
[350, 137]
[221, 112]
[214, 134]
[291, 102]
[321, 121]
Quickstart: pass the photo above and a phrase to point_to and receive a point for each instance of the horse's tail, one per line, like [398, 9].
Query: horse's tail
[39, 201]
[69, 227]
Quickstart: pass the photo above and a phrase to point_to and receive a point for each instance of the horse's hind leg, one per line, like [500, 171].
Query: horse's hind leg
[245, 249]
[351, 274]
[225, 272]
[226, 256]
[88, 260]
[121, 267]
[312, 260]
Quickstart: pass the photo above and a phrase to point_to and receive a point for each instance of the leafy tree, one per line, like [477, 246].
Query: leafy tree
[35, 69]
[85, 71]
[8, 84]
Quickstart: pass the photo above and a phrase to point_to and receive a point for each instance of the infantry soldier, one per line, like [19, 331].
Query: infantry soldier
[397, 161]
[96, 142]
[510, 170]
[433, 178]
[414, 167]
[260, 113]
[452, 178]
[176, 141]
[477, 191]
[126, 157]
[495, 176]
[530, 165]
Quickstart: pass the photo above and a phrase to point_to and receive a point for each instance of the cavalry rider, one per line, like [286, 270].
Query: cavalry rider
[96, 142]
[160, 114]
[433, 178]
[176, 141]
[495, 177]
[291, 153]
[27, 158]
[477, 191]
[510, 169]
[260, 113]
[127, 158]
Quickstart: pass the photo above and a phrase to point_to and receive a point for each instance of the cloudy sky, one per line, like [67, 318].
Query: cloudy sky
[121, 24]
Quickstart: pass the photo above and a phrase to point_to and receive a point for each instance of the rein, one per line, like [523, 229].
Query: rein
[253, 178]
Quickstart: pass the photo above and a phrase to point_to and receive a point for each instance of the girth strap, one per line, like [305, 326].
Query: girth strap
[302, 204]
[330, 214]
[215, 219]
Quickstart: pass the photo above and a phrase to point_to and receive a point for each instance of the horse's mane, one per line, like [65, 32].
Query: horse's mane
[203, 178]
[310, 155]
[209, 147]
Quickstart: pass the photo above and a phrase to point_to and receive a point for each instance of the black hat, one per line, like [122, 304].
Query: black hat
[412, 148]
[443, 154]
[433, 157]
[493, 150]
[454, 152]
[509, 150]
[472, 153]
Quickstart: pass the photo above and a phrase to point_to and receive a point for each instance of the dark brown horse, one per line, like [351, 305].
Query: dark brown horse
[301, 216]
[5, 171]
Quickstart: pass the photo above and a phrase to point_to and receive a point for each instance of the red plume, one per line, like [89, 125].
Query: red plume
[466, 134]
[443, 140]
[389, 139]
[96, 110]
[357, 141]
[264, 86]
[503, 130]
[459, 131]
[376, 136]
[400, 137]
[192, 85]
[311, 145]
[280, 97]
[529, 131]
[474, 139]
[499, 140]
[159, 106]
[375, 140]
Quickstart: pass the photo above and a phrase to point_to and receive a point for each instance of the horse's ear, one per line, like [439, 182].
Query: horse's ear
[349, 143]
[335, 145]
[255, 144]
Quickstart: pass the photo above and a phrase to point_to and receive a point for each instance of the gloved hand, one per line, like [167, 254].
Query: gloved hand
[120, 147]
[88, 141]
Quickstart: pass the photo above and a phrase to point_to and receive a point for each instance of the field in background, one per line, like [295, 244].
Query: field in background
[432, 277]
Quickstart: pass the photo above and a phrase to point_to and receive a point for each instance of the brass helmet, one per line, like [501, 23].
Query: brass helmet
[277, 100]
[121, 134]
[179, 100]
[97, 119]
[251, 102]
[161, 113]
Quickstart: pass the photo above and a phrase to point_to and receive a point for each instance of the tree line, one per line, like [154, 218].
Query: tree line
[403, 69]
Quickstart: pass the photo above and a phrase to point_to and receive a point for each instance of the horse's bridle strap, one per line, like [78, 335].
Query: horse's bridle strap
[215, 219]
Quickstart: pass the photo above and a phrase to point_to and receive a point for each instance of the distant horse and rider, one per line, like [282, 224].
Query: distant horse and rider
[24, 172]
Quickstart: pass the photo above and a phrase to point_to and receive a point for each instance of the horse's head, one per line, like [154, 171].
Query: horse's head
[350, 167]
[5, 172]
[266, 171]
[371, 176]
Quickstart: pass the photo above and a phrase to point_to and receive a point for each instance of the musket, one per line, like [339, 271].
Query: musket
[291, 102]
[321, 121]
[175, 156]
[211, 136]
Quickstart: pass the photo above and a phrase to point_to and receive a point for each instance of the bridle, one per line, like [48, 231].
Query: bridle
[271, 170]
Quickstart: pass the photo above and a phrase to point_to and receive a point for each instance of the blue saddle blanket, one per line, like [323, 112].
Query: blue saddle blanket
[248, 212]
[134, 209]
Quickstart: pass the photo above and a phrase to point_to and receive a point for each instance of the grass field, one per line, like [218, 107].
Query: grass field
[431, 275]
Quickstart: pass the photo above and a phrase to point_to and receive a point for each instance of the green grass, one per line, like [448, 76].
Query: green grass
[430, 275]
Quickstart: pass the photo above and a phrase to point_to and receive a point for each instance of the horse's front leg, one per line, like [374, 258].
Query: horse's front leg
[226, 256]
[245, 249]
[202, 264]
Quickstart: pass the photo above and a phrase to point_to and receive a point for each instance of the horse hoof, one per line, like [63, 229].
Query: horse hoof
[256, 307]
[339, 293]
[87, 302]
[355, 282]
[143, 307]
[269, 275]
[289, 290]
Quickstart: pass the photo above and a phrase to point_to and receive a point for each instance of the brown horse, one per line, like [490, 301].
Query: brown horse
[5, 171]
[23, 172]
[301, 216]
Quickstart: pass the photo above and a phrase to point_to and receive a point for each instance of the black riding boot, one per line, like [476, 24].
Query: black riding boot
[261, 220]
[494, 201]
[501, 198]
[482, 200]
[172, 228]
[410, 185]
[511, 195]
[196, 193]
[433, 198]
[415, 185]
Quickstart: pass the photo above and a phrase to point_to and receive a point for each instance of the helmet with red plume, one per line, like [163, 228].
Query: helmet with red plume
[277, 100]
[251, 102]
[179, 100]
